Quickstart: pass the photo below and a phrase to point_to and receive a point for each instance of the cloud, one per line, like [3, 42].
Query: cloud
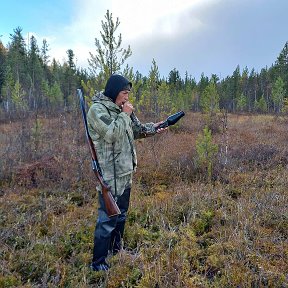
[79, 33]
[211, 36]
[175, 38]
[150, 17]
[145, 26]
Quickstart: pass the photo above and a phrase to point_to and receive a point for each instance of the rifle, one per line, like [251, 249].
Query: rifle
[171, 120]
[111, 206]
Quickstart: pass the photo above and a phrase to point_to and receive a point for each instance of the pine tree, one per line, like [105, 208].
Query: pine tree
[206, 152]
[262, 104]
[165, 104]
[17, 97]
[110, 56]
[128, 73]
[209, 101]
[241, 103]
[149, 96]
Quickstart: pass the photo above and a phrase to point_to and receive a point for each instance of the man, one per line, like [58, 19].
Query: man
[113, 127]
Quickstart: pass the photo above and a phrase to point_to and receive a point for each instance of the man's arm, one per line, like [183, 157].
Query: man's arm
[144, 130]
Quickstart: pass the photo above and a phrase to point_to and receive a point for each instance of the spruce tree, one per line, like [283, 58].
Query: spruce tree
[282, 65]
[3, 56]
[278, 94]
[17, 57]
[35, 70]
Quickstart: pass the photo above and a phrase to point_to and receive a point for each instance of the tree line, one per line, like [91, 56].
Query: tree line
[31, 82]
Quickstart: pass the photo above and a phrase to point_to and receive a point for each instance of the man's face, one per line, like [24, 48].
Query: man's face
[122, 97]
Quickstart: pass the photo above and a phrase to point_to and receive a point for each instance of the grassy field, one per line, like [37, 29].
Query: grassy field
[185, 228]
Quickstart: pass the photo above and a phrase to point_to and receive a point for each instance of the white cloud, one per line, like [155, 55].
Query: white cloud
[209, 36]
[150, 17]
[139, 20]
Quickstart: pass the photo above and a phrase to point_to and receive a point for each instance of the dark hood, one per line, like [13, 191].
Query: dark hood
[115, 84]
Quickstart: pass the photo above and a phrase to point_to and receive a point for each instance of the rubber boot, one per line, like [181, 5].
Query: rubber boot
[102, 237]
[116, 238]
[117, 233]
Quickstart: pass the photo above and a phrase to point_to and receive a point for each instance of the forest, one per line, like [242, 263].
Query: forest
[209, 199]
[30, 82]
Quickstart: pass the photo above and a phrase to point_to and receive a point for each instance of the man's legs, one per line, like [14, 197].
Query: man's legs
[102, 235]
[117, 233]
[109, 231]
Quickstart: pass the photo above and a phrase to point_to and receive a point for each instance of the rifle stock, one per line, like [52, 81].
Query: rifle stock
[111, 206]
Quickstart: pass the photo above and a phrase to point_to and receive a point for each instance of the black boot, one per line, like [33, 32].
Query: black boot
[100, 250]
[117, 237]
[99, 267]
[117, 233]
[102, 238]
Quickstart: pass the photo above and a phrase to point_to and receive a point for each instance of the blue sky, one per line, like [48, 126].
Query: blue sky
[209, 36]
[34, 15]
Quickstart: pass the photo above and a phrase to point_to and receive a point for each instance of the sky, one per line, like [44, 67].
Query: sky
[193, 36]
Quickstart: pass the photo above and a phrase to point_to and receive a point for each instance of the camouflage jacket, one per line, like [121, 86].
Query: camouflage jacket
[113, 133]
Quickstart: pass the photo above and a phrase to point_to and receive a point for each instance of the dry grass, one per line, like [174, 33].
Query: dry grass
[181, 231]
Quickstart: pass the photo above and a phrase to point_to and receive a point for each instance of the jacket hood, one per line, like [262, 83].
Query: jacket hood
[115, 84]
[100, 96]
[106, 101]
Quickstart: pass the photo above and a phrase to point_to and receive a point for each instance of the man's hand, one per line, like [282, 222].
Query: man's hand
[127, 107]
[160, 130]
